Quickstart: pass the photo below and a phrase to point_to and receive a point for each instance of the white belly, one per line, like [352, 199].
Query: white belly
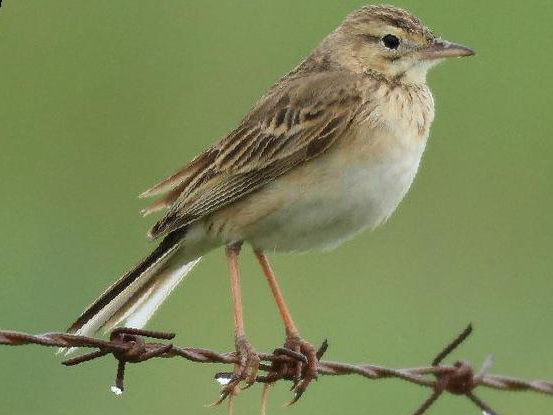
[335, 197]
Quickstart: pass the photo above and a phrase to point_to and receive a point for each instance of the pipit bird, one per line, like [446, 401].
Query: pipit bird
[329, 150]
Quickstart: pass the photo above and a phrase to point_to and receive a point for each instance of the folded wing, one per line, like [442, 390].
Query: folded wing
[289, 126]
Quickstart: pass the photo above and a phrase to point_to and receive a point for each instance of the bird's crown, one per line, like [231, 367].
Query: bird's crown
[389, 15]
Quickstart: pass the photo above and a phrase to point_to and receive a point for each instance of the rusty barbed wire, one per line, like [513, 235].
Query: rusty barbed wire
[129, 345]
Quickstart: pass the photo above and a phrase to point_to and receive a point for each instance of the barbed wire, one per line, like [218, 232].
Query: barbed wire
[129, 345]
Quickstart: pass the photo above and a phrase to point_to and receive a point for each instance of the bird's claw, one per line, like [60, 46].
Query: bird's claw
[304, 370]
[245, 369]
[300, 368]
[249, 362]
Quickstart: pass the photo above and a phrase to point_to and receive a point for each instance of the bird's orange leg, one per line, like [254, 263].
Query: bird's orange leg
[248, 360]
[232, 252]
[304, 373]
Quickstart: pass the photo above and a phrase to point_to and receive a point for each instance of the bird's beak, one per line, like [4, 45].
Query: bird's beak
[440, 48]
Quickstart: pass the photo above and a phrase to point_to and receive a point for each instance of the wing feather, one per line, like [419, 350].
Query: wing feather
[286, 128]
[182, 176]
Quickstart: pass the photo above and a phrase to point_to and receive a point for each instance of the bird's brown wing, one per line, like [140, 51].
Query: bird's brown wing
[288, 127]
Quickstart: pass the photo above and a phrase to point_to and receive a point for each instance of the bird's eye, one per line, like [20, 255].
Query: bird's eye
[390, 41]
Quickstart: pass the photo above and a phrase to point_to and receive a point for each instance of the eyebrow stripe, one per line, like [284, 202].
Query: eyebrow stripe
[370, 38]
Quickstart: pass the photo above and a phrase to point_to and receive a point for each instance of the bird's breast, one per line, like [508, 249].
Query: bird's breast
[327, 200]
[356, 184]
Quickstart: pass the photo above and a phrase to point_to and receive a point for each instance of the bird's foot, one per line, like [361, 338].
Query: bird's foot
[245, 369]
[248, 361]
[303, 367]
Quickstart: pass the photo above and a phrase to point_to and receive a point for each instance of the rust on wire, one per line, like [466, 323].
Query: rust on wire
[129, 345]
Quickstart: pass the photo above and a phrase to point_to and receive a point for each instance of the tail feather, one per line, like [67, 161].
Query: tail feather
[142, 305]
[140, 291]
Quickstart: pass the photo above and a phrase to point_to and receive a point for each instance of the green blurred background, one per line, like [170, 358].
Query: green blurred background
[98, 100]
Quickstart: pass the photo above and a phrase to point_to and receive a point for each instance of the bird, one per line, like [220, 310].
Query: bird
[328, 151]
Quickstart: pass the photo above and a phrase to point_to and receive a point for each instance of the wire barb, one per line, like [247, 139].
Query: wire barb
[452, 346]
[129, 345]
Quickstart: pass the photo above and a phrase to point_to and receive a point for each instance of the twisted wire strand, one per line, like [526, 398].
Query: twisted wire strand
[131, 346]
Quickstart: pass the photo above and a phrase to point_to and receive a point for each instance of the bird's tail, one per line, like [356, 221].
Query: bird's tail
[135, 296]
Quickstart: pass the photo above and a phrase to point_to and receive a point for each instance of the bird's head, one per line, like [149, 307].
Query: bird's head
[391, 42]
